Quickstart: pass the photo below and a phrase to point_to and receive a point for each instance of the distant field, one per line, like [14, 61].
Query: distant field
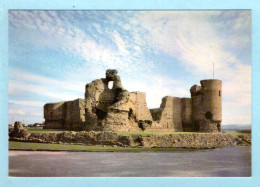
[231, 132]
[72, 147]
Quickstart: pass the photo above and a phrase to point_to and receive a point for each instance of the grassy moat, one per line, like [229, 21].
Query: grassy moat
[77, 147]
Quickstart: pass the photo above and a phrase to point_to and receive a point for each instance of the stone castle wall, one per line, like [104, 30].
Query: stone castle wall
[207, 106]
[186, 115]
[129, 114]
[116, 109]
[54, 115]
[173, 113]
[65, 115]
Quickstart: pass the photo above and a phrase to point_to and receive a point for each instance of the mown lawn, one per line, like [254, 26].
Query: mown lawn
[71, 147]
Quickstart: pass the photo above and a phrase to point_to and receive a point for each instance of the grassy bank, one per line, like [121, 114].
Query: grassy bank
[231, 132]
[71, 147]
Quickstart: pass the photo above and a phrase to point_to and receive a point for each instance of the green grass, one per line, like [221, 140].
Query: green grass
[71, 147]
[236, 132]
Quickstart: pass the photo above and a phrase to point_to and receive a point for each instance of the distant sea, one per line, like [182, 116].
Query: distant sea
[238, 127]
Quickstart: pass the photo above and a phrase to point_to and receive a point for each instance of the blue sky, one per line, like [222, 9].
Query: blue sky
[53, 54]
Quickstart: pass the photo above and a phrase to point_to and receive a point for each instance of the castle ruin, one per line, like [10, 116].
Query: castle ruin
[116, 109]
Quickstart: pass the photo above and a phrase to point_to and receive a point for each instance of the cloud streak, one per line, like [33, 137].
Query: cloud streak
[158, 52]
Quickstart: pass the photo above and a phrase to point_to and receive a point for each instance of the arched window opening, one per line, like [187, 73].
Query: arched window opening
[209, 115]
[110, 84]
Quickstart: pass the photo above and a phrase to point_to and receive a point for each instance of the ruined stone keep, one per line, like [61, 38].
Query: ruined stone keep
[116, 109]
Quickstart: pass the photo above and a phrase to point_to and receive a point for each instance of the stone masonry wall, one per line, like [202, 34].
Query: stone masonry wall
[186, 115]
[54, 115]
[207, 105]
[174, 114]
[130, 113]
[116, 109]
[171, 116]
[75, 114]
[65, 115]
[140, 106]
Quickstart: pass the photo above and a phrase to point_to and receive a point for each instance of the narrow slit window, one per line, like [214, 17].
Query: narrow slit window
[219, 93]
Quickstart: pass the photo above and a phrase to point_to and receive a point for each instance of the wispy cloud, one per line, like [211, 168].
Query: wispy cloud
[200, 38]
[138, 44]
[27, 103]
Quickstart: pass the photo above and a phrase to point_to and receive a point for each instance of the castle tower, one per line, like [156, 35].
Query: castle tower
[207, 105]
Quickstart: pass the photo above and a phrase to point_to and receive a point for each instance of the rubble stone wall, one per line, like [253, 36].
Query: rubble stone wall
[198, 141]
[116, 109]
[190, 140]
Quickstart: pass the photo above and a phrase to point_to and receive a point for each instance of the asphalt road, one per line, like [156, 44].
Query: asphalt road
[221, 162]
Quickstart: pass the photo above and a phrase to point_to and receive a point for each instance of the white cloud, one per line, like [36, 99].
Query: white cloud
[120, 44]
[195, 39]
[56, 31]
[156, 88]
[27, 103]
[44, 90]
[24, 77]
[192, 38]
[14, 112]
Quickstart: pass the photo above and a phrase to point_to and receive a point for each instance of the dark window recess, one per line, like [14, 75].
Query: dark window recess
[219, 128]
[100, 114]
[208, 115]
[219, 93]
[130, 113]
[141, 126]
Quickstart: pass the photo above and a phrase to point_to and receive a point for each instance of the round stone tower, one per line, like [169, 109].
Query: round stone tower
[207, 105]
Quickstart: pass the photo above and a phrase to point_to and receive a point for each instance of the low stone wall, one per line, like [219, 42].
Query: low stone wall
[84, 137]
[113, 139]
[189, 140]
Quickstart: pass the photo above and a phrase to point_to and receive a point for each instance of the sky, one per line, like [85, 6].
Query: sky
[54, 54]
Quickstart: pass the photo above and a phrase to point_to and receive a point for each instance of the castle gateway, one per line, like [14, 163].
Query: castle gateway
[116, 109]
